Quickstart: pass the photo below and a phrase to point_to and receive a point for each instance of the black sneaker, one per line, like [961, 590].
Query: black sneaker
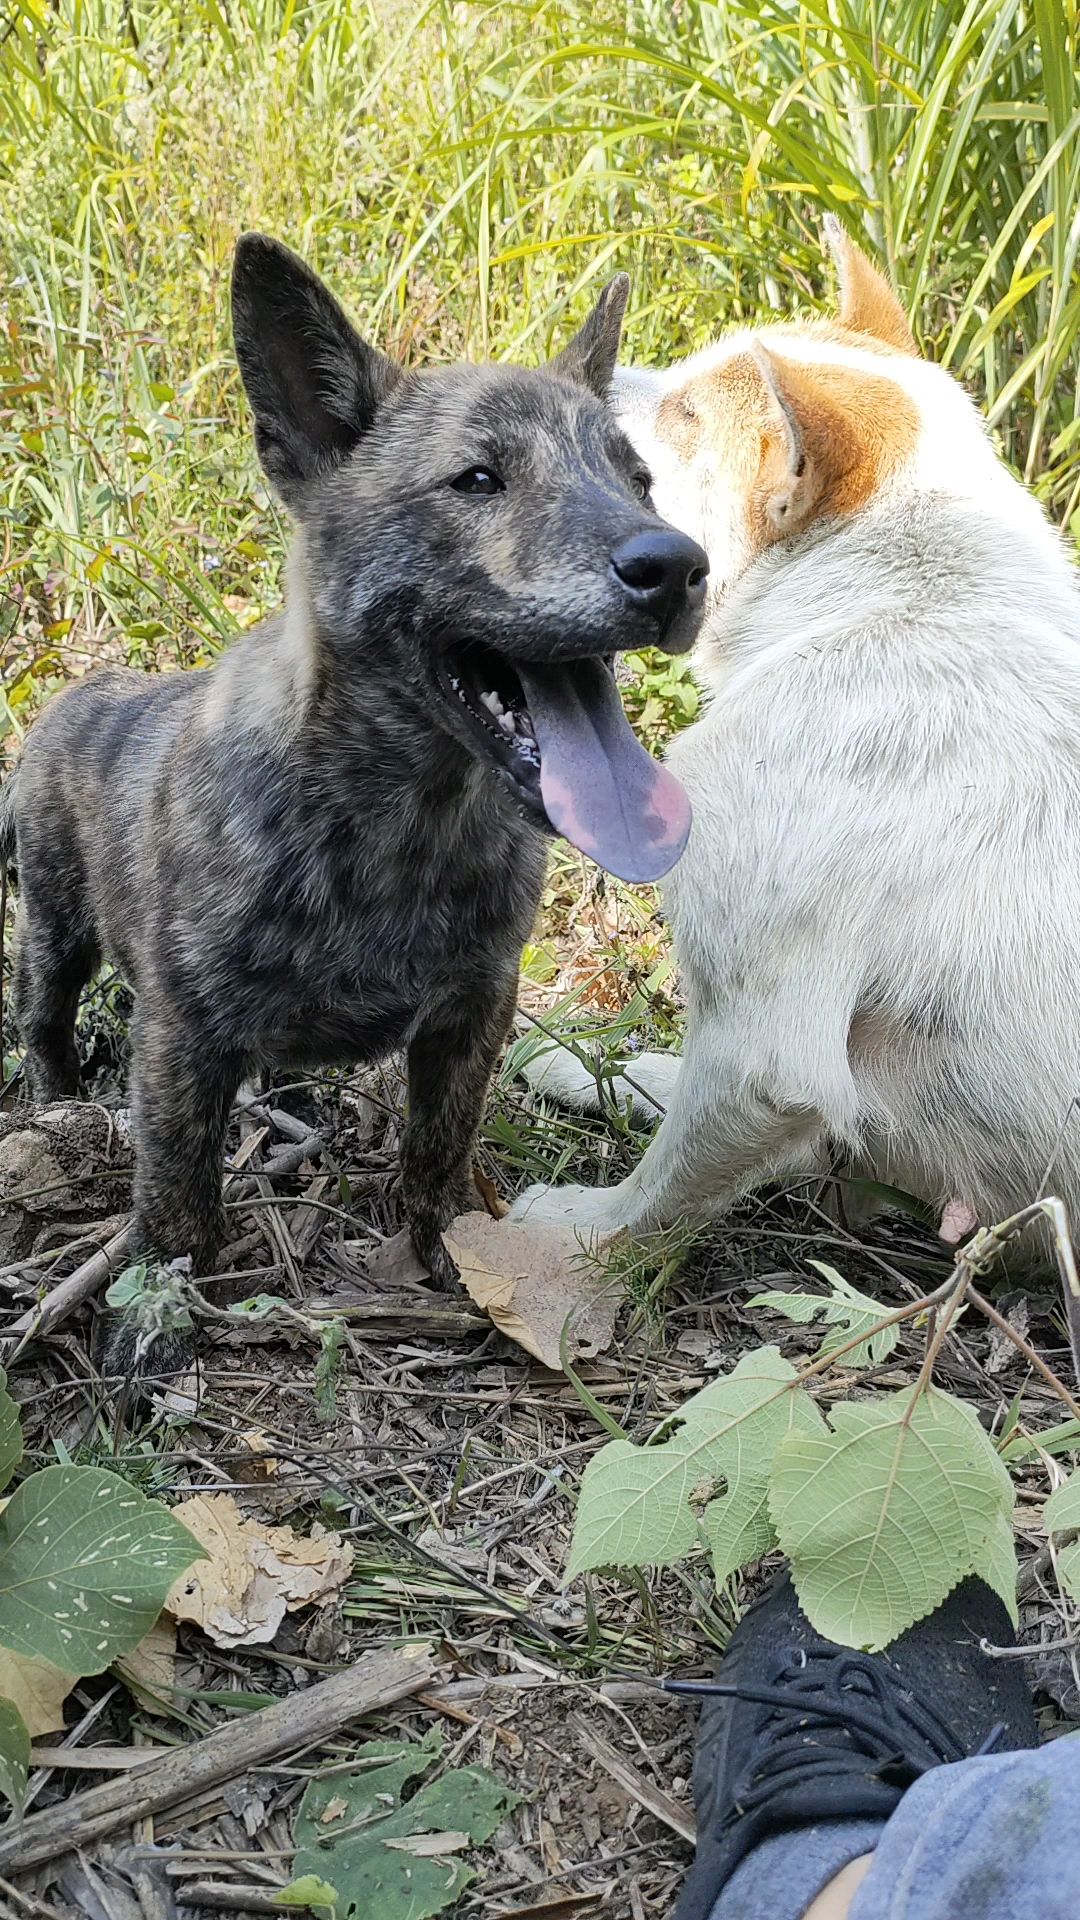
[800, 1730]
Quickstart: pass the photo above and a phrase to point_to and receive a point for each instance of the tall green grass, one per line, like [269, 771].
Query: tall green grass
[465, 174]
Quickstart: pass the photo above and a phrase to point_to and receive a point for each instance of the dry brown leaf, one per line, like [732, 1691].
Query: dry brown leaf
[531, 1280]
[429, 1846]
[150, 1668]
[396, 1263]
[37, 1689]
[254, 1574]
[263, 1464]
[489, 1194]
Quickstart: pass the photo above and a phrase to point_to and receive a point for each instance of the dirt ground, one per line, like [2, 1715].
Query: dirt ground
[448, 1460]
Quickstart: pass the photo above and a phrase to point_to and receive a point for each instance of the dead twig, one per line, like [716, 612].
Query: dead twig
[653, 1799]
[1024, 1346]
[64, 1299]
[230, 1898]
[317, 1714]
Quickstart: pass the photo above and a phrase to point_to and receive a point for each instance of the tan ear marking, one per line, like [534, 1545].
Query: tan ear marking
[840, 434]
[868, 303]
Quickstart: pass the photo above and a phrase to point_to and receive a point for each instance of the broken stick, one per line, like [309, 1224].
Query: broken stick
[318, 1713]
[64, 1299]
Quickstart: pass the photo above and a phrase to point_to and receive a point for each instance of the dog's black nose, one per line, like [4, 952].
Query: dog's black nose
[662, 571]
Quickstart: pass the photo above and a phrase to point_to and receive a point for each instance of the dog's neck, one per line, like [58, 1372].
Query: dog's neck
[284, 681]
[924, 553]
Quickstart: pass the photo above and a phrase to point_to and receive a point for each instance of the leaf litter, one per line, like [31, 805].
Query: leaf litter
[450, 1466]
[251, 1575]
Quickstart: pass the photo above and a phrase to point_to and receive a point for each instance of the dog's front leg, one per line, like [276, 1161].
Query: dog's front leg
[451, 1057]
[183, 1093]
[722, 1137]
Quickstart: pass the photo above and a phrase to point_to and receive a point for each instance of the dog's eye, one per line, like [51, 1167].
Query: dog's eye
[478, 480]
[642, 484]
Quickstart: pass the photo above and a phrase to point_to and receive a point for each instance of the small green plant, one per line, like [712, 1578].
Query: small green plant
[881, 1504]
[661, 695]
[85, 1564]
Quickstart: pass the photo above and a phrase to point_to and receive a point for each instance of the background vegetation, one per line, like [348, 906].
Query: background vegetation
[462, 173]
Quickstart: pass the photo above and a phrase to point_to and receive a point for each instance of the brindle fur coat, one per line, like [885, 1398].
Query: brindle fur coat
[299, 856]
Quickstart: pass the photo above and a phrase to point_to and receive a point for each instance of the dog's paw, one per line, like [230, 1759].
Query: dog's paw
[582, 1208]
[127, 1357]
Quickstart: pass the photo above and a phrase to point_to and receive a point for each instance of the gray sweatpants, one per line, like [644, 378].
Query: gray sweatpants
[994, 1838]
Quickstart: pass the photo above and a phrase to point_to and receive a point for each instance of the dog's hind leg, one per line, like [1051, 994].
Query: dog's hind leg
[647, 1081]
[451, 1057]
[55, 955]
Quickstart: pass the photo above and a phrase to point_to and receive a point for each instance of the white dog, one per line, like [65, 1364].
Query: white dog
[877, 917]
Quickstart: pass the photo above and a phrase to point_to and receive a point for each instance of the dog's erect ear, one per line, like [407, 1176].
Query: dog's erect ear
[313, 384]
[590, 358]
[840, 433]
[867, 301]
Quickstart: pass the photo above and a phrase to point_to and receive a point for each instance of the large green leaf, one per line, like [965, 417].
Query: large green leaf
[885, 1513]
[1062, 1510]
[1062, 1515]
[386, 1857]
[85, 1563]
[645, 1506]
[1002, 1568]
[847, 1311]
[11, 1440]
[14, 1753]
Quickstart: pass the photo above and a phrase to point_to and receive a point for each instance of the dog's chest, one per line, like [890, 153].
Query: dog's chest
[353, 957]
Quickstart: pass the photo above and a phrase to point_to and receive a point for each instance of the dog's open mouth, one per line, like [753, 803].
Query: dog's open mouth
[561, 736]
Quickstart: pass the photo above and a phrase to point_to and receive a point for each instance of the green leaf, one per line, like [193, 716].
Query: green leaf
[328, 1366]
[311, 1892]
[1062, 1510]
[1061, 1515]
[846, 1309]
[86, 1561]
[128, 1286]
[14, 1753]
[389, 1858]
[1002, 1569]
[644, 1506]
[259, 1306]
[11, 1440]
[883, 1515]
[1063, 1438]
[1068, 1566]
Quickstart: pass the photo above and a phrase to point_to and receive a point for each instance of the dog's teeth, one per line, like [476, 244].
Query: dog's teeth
[493, 704]
[506, 722]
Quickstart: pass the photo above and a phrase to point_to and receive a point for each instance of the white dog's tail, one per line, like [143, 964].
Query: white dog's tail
[647, 1082]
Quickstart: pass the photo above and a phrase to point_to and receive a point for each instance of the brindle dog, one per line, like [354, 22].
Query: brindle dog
[331, 843]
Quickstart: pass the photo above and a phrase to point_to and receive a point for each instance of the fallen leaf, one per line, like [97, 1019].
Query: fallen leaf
[394, 1856]
[253, 1574]
[150, 1668]
[532, 1280]
[333, 1810]
[489, 1194]
[396, 1263]
[263, 1464]
[37, 1689]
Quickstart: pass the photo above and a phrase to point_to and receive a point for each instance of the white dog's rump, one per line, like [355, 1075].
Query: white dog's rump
[877, 915]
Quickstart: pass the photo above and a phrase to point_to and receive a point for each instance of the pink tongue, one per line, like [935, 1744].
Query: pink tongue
[600, 788]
